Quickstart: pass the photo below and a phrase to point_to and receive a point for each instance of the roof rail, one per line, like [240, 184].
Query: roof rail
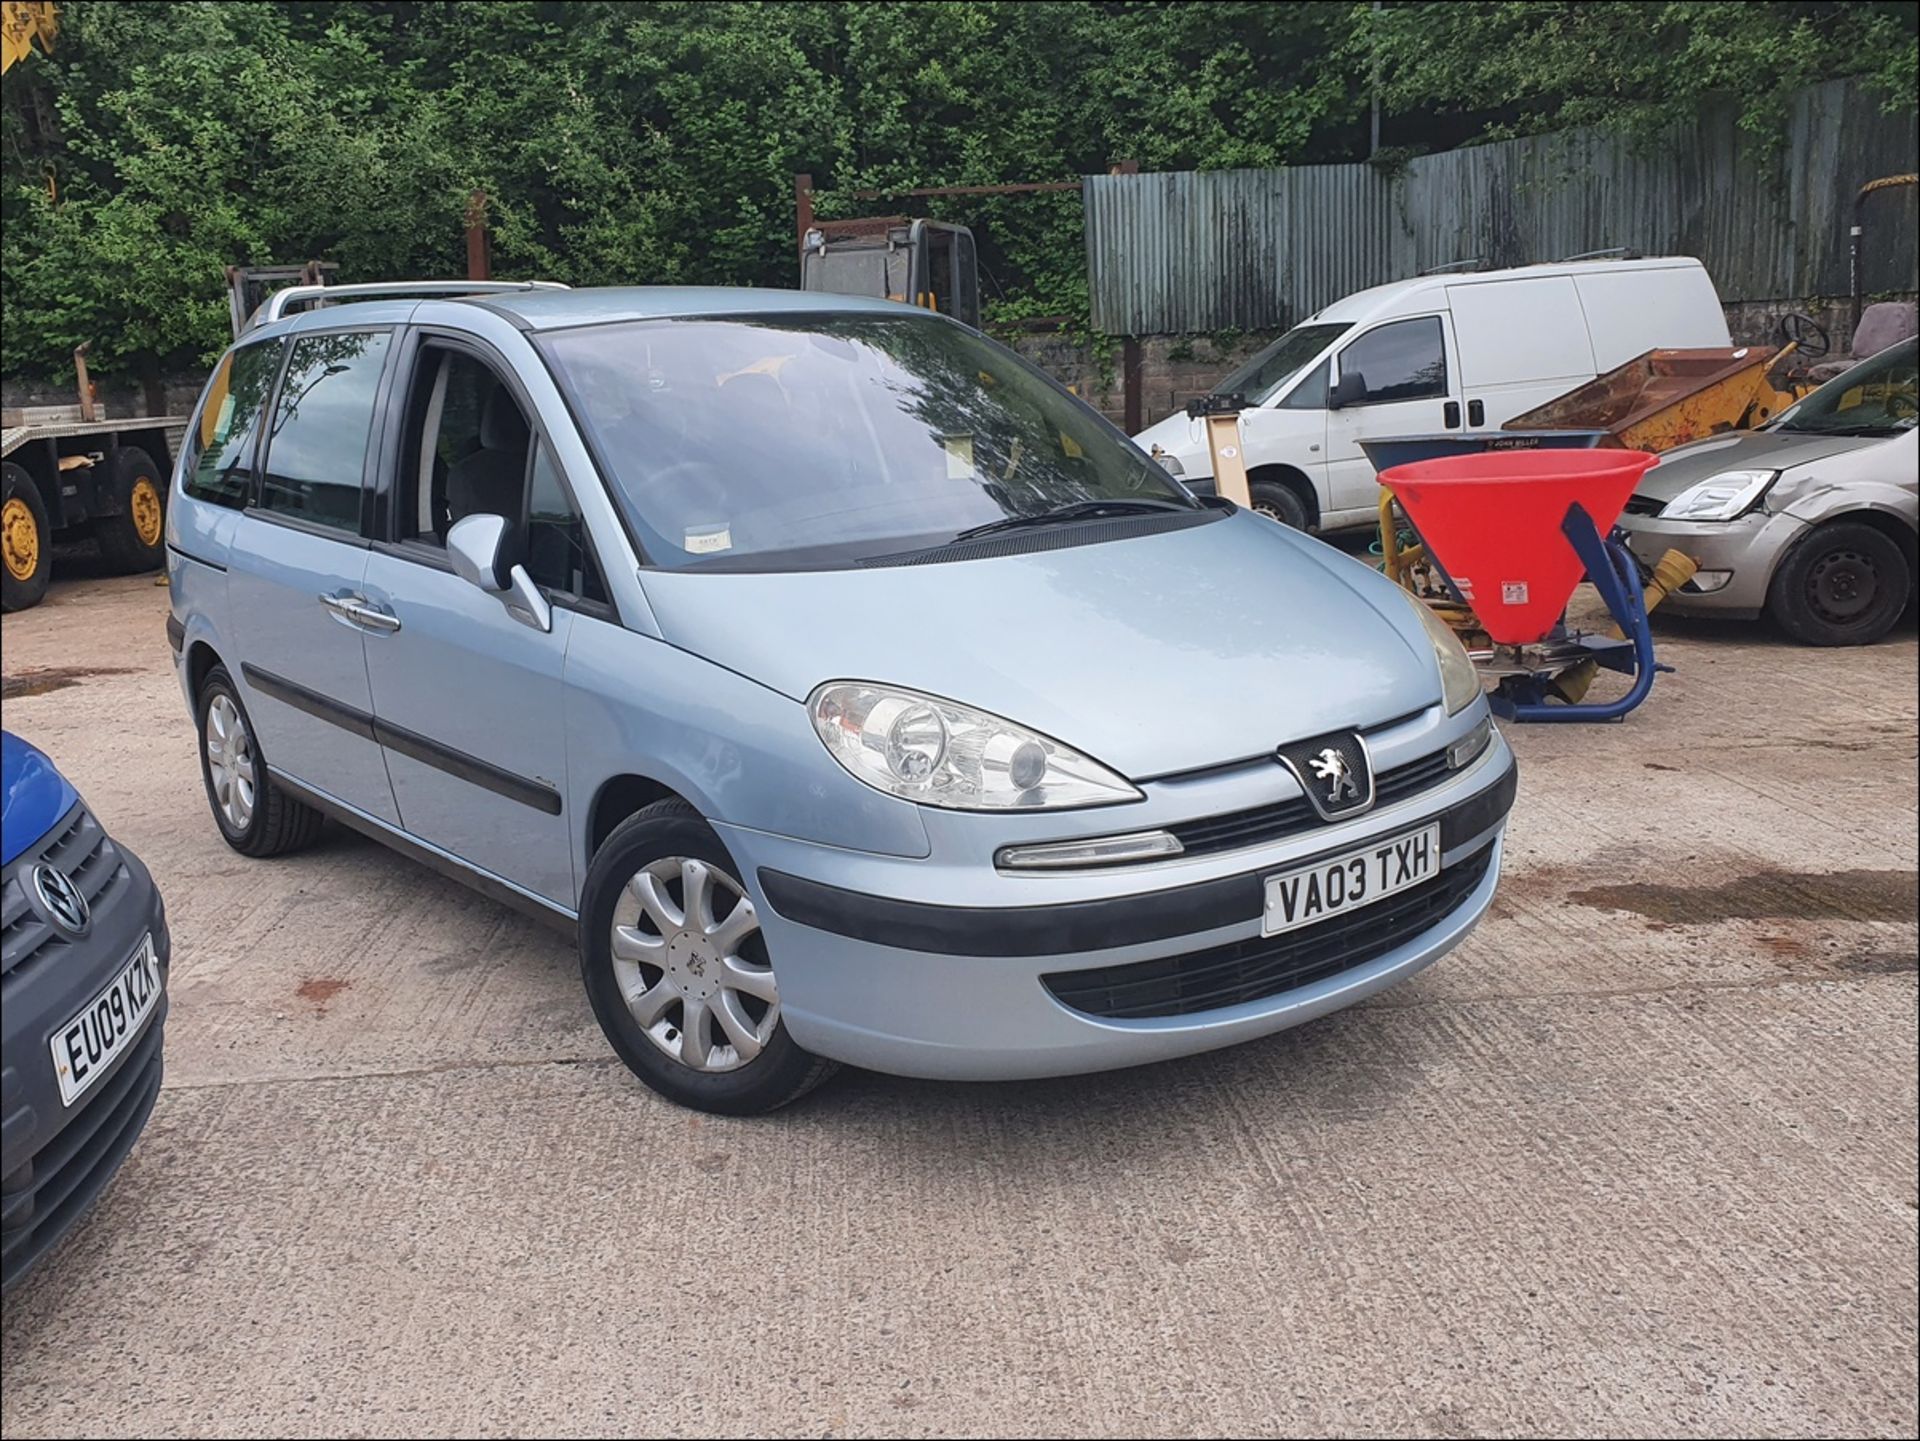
[1612, 252]
[1456, 267]
[281, 301]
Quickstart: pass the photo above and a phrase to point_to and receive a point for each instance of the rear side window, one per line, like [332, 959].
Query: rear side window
[317, 448]
[1403, 361]
[219, 461]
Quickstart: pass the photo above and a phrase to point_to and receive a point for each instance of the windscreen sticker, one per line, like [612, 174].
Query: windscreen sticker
[959, 450]
[708, 539]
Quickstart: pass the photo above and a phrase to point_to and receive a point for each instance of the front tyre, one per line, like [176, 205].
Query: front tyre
[1278, 501]
[26, 540]
[1842, 583]
[677, 970]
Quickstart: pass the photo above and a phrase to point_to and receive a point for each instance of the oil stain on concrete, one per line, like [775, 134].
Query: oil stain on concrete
[1799, 895]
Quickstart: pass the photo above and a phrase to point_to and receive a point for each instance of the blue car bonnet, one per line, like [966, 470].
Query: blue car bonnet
[33, 796]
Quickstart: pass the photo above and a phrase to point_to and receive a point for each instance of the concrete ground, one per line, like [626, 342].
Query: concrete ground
[1638, 1158]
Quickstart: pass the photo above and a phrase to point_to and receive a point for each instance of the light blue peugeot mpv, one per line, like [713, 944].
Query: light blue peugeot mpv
[853, 691]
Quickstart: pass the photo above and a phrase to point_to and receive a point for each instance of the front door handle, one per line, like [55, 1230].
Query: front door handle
[1450, 415]
[358, 610]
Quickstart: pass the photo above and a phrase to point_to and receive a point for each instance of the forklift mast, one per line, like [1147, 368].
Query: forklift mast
[928, 263]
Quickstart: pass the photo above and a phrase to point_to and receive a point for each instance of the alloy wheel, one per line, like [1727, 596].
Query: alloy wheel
[691, 965]
[230, 762]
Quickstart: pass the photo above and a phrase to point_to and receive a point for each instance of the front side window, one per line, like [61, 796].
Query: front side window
[834, 438]
[558, 556]
[1406, 360]
[219, 460]
[317, 447]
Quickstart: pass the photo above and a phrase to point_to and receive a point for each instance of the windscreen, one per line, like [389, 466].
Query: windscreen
[829, 439]
[1880, 396]
[1273, 367]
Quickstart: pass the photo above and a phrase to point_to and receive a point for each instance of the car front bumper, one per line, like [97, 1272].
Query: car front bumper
[1736, 557]
[55, 1159]
[969, 985]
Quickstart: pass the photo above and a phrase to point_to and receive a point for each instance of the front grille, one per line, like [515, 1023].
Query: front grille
[1253, 970]
[81, 849]
[41, 1199]
[1267, 823]
[1644, 505]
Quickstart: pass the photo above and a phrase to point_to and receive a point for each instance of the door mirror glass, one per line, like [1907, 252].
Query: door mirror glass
[1349, 389]
[477, 547]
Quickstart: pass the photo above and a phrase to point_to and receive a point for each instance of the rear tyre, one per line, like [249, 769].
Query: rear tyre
[1278, 501]
[677, 971]
[134, 541]
[256, 817]
[1843, 583]
[26, 554]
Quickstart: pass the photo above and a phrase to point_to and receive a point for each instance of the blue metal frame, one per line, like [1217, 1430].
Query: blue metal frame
[1616, 575]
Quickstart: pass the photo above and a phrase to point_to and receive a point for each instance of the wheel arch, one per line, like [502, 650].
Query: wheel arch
[616, 798]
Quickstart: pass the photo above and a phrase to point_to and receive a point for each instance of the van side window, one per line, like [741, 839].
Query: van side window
[317, 449]
[1406, 360]
[219, 461]
[558, 556]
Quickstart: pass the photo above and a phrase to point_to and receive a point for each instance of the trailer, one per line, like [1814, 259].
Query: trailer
[70, 475]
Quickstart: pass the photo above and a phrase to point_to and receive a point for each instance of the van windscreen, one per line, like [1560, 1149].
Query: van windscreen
[1273, 367]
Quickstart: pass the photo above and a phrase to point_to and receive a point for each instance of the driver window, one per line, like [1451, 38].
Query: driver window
[467, 447]
[1406, 360]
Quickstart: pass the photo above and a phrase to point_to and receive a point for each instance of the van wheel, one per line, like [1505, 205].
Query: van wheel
[25, 540]
[1278, 502]
[256, 817]
[135, 540]
[1843, 583]
[677, 971]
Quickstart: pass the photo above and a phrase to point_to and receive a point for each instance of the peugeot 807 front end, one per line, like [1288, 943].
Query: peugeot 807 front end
[856, 692]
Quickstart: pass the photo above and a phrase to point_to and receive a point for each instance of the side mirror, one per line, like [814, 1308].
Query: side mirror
[1349, 389]
[477, 546]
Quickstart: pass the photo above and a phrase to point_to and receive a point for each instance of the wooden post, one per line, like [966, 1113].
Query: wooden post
[87, 413]
[1130, 384]
[479, 246]
[1229, 460]
[802, 211]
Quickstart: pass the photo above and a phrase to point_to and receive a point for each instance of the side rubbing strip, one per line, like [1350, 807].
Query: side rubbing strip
[408, 743]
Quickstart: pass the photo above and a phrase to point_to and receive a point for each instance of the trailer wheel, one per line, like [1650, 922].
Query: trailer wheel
[135, 540]
[25, 540]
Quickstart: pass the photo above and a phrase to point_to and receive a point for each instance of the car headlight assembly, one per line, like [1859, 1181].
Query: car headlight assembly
[1169, 462]
[1459, 681]
[939, 753]
[1726, 496]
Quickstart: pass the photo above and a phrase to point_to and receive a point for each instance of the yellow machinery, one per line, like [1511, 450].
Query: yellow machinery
[21, 23]
[1667, 398]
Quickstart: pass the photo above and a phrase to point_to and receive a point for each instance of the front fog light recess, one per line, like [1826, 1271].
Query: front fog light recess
[940, 753]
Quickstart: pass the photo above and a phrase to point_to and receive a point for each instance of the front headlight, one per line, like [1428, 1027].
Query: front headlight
[1169, 462]
[1459, 681]
[922, 748]
[1725, 496]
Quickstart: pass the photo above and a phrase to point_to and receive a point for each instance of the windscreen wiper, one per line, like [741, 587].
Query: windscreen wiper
[1078, 510]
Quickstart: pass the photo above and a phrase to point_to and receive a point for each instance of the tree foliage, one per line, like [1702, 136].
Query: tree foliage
[657, 142]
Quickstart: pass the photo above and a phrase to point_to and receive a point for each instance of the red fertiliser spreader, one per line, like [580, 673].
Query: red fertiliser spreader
[1503, 539]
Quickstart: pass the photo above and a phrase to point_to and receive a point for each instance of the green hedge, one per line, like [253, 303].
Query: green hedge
[656, 142]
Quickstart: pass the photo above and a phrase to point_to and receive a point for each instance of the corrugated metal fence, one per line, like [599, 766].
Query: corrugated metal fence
[1198, 251]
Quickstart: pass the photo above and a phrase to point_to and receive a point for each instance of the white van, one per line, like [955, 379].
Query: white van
[1432, 354]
